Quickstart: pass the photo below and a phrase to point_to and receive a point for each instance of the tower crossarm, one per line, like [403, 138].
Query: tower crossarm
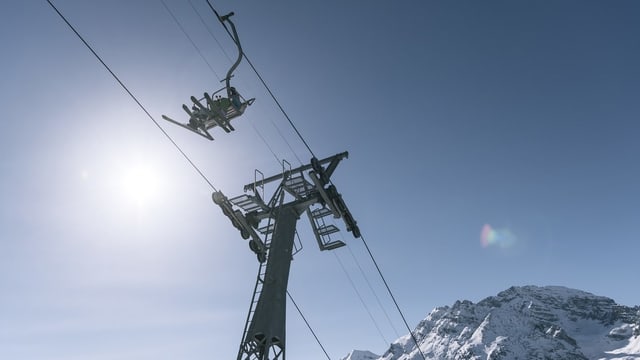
[332, 161]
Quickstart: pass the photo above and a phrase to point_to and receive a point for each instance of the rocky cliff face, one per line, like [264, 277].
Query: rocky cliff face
[526, 323]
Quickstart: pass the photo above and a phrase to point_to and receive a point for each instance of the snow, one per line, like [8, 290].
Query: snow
[361, 355]
[624, 331]
[476, 337]
[628, 352]
[524, 322]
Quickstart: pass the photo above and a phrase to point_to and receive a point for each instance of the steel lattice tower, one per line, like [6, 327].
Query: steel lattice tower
[306, 189]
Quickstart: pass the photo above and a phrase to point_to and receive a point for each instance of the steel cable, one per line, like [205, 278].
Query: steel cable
[131, 94]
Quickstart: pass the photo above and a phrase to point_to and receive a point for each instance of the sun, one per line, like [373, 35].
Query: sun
[140, 184]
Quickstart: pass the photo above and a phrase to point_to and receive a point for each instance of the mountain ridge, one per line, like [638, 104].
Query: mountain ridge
[526, 322]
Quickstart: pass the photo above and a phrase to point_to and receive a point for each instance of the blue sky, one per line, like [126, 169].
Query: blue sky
[517, 114]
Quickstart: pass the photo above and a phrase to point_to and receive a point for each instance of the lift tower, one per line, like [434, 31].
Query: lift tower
[306, 189]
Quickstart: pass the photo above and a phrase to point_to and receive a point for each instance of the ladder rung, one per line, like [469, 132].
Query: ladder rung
[267, 229]
[333, 245]
[321, 212]
[248, 203]
[327, 229]
[298, 185]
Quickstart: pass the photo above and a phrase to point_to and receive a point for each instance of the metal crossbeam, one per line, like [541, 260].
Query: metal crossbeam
[343, 155]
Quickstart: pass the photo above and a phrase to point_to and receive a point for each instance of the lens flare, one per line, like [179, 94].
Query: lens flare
[502, 238]
[487, 235]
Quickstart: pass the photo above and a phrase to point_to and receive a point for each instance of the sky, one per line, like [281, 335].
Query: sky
[491, 144]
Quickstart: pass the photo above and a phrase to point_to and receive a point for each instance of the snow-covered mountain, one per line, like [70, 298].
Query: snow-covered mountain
[361, 355]
[523, 323]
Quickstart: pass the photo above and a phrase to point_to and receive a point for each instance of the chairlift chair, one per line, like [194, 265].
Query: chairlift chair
[216, 109]
[213, 110]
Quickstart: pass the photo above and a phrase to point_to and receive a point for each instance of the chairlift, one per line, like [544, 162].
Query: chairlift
[213, 110]
[219, 108]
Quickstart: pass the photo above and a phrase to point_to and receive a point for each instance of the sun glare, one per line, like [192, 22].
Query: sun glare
[140, 184]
